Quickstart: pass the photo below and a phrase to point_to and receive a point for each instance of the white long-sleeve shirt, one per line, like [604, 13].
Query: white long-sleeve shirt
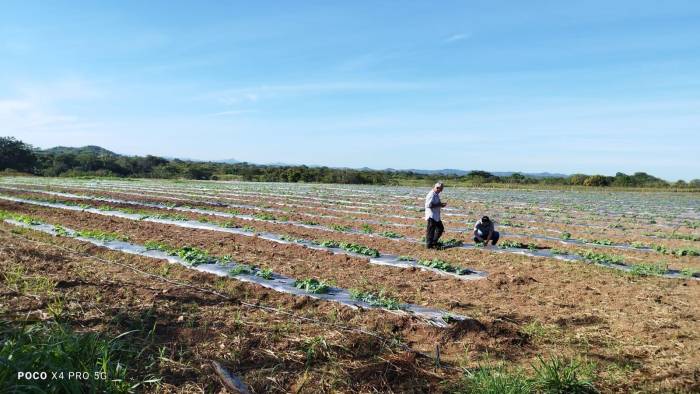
[432, 206]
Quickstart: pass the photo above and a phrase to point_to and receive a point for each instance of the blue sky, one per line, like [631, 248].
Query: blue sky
[593, 87]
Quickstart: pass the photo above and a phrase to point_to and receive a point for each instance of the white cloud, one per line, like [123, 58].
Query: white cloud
[457, 37]
[234, 112]
[34, 108]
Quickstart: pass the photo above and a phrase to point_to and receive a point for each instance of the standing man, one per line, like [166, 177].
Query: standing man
[432, 215]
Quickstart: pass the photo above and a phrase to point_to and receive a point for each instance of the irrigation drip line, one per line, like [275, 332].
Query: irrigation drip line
[227, 298]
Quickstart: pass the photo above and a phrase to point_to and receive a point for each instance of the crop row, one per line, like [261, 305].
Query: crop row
[201, 260]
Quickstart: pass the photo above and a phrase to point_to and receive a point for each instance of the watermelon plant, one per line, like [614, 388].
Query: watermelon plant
[351, 247]
[340, 227]
[313, 286]
[101, 235]
[391, 234]
[377, 299]
[518, 245]
[442, 265]
[451, 243]
[265, 273]
[241, 269]
[689, 272]
[264, 216]
[194, 256]
[60, 231]
[648, 269]
[600, 257]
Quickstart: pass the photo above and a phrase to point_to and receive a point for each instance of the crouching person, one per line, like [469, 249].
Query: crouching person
[484, 231]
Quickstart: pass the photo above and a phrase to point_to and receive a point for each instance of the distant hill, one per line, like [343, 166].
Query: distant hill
[92, 149]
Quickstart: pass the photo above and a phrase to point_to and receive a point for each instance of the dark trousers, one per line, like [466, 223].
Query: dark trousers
[433, 233]
[494, 237]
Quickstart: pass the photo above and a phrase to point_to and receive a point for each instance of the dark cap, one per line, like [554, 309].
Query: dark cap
[485, 219]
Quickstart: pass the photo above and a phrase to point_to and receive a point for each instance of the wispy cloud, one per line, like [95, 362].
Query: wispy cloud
[457, 37]
[36, 107]
[258, 93]
[234, 112]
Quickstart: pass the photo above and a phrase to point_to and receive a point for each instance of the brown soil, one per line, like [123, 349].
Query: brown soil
[525, 307]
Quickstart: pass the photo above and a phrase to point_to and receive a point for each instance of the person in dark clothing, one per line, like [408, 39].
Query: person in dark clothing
[432, 216]
[485, 231]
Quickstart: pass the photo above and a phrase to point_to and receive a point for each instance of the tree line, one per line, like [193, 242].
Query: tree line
[16, 155]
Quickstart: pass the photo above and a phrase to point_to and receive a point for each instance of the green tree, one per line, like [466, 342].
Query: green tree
[16, 155]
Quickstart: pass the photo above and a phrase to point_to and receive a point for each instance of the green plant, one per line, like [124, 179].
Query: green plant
[648, 269]
[686, 252]
[557, 375]
[240, 269]
[340, 227]
[292, 239]
[60, 231]
[264, 216]
[110, 362]
[351, 247]
[367, 229]
[493, 380]
[313, 286]
[451, 243]
[565, 236]
[19, 218]
[377, 299]
[600, 257]
[558, 251]
[444, 266]
[390, 234]
[405, 258]
[155, 245]
[101, 235]
[265, 273]
[601, 242]
[689, 272]
[194, 256]
[512, 244]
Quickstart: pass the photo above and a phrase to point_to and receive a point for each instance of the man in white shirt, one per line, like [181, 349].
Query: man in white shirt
[432, 216]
